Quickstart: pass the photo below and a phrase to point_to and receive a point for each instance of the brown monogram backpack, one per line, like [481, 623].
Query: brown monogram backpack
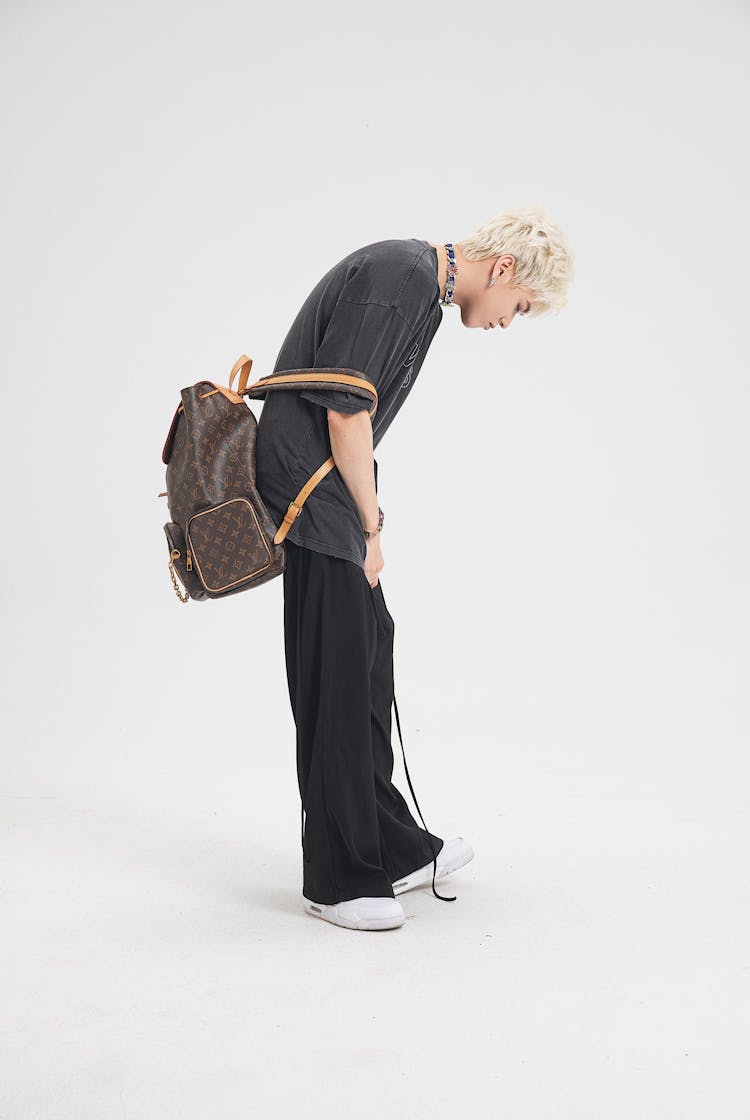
[222, 538]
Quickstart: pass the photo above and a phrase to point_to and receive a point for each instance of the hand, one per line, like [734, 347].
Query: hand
[374, 562]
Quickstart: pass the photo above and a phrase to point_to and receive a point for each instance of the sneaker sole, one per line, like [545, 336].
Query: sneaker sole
[423, 878]
[374, 924]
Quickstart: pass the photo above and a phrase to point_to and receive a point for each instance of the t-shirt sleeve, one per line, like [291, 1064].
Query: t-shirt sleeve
[360, 336]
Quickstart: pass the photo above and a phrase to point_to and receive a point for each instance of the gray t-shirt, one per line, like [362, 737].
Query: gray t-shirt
[376, 311]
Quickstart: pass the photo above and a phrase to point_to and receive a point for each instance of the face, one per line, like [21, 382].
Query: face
[496, 306]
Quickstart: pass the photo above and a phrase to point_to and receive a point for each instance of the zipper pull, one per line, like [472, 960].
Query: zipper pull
[189, 561]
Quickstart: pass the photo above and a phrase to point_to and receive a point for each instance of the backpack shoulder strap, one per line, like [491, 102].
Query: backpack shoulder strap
[328, 378]
[336, 378]
[294, 509]
[323, 378]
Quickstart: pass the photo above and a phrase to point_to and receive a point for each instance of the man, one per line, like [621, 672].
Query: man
[376, 311]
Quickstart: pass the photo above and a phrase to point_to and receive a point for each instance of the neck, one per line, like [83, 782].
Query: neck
[442, 255]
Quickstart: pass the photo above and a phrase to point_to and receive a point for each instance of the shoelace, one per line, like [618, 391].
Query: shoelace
[443, 897]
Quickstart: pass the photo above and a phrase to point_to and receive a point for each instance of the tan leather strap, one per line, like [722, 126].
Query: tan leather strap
[287, 378]
[295, 507]
[243, 364]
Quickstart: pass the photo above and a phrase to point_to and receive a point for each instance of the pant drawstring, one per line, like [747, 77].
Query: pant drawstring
[445, 898]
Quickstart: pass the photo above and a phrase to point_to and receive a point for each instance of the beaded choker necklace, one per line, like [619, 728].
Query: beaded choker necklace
[452, 272]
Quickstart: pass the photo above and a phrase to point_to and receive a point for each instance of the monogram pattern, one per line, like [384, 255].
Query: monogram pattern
[220, 526]
[228, 545]
[210, 457]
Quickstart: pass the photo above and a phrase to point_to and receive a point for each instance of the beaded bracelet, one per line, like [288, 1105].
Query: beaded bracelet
[371, 532]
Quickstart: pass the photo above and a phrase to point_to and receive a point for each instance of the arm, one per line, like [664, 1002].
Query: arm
[352, 448]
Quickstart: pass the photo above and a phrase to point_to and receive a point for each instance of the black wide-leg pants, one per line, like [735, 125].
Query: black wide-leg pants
[359, 835]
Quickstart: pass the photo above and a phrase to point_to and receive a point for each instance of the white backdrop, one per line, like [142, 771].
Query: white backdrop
[566, 555]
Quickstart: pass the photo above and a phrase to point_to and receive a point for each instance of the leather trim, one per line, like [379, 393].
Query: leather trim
[167, 449]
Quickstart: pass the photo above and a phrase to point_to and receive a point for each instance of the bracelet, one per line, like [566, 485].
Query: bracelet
[371, 532]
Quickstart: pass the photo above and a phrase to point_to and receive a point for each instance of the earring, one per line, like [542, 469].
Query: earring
[491, 282]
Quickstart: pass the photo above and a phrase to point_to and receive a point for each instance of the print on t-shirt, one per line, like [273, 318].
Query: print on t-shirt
[409, 363]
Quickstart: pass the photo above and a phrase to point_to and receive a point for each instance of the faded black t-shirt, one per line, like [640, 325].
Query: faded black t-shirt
[376, 311]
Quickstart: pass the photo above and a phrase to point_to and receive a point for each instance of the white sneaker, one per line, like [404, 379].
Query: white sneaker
[453, 854]
[359, 913]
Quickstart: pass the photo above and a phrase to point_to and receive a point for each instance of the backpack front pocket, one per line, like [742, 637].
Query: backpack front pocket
[227, 544]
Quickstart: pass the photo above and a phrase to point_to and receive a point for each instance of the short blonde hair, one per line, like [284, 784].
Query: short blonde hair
[544, 260]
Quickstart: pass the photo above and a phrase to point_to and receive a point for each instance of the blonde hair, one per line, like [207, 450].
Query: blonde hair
[544, 260]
